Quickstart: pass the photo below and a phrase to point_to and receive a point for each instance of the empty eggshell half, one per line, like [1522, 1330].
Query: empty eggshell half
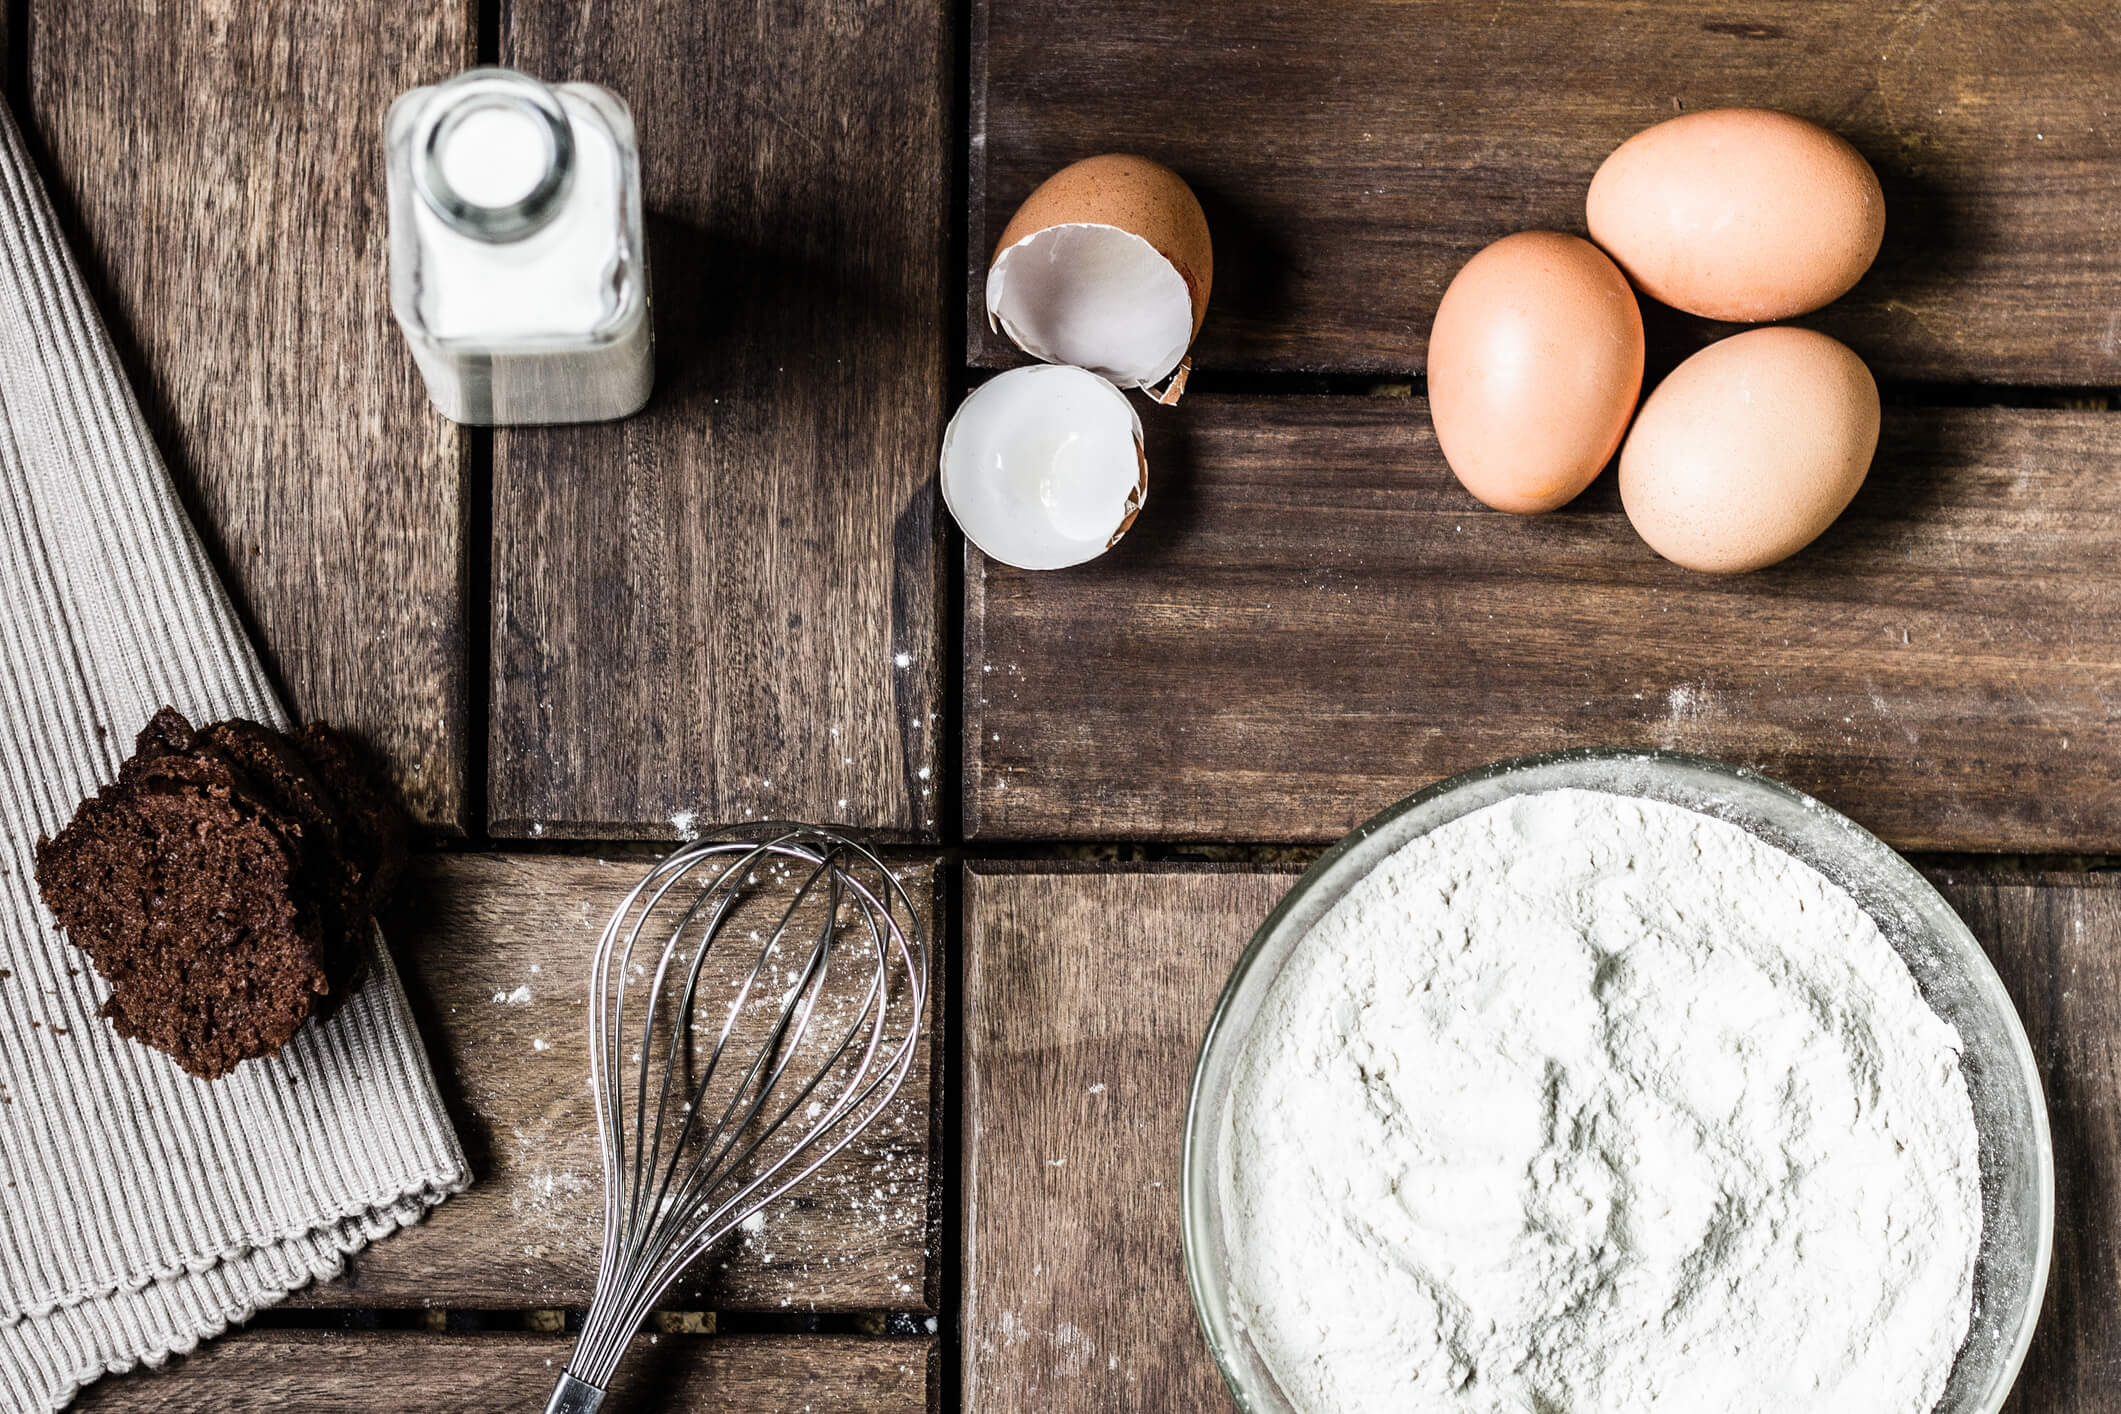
[1106, 266]
[1738, 213]
[1043, 467]
[1749, 449]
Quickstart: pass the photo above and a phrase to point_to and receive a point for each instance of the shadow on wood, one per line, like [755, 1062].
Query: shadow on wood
[1254, 264]
[733, 317]
[1172, 507]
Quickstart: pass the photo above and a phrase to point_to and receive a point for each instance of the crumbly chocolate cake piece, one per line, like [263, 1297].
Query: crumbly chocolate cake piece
[341, 864]
[223, 885]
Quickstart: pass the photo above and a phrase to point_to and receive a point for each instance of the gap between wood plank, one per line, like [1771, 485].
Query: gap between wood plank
[947, 790]
[376, 1370]
[16, 42]
[1100, 852]
[1298, 383]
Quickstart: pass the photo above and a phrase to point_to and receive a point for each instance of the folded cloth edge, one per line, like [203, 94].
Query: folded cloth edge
[138, 617]
[428, 1190]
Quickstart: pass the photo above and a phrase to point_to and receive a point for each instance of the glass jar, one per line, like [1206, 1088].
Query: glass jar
[517, 267]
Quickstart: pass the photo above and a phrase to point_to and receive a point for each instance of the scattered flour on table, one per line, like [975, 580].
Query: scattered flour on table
[1587, 1103]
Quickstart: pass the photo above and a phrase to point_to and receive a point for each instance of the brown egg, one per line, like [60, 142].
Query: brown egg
[1739, 213]
[1534, 363]
[1106, 266]
[1750, 449]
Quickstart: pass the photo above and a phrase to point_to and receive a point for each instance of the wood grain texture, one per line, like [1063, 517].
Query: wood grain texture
[386, 1372]
[728, 604]
[1086, 994]
[495, 950]
[1074, 1294]
[2056, 940]
[226, 199]
[1353, 154]
[1311, 619]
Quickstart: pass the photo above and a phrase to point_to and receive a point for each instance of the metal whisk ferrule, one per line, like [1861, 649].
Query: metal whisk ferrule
[755, 1003]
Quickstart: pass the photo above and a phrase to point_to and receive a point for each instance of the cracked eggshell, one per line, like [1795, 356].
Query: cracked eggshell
[1106, 266]
[1738, 213]
[1043, 466]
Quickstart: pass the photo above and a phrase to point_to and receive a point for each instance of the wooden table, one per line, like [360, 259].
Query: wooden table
[745, 601]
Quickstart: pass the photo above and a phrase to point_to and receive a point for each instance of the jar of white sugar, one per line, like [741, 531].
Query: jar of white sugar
[517, 267]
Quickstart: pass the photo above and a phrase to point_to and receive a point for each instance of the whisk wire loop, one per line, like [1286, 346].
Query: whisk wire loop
[682, 1037]
[721, 1116]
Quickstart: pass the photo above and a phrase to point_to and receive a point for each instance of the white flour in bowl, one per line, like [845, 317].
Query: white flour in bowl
[1588, 1103]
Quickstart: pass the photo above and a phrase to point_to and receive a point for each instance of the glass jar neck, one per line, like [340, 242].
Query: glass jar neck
[463, 119]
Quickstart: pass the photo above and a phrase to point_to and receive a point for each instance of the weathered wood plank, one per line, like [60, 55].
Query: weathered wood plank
[728, 604]
[228, 209]
[1076, 1059]
[1353, 154]
[384, 1372]
[1311, 619]
[495, 950]
[1074, 1294]
[2056, 939]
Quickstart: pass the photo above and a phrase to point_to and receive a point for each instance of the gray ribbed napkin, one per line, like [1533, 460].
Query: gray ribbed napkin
[141, 1209]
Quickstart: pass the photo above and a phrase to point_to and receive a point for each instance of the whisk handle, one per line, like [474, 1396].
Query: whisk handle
[573, 1396]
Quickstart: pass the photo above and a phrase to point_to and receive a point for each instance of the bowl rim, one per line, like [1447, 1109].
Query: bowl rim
[1195, 1206]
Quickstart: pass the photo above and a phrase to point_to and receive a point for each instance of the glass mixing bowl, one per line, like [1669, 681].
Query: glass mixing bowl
[2010, 1112]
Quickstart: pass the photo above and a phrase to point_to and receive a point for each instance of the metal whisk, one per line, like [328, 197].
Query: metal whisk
[755, 1003]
